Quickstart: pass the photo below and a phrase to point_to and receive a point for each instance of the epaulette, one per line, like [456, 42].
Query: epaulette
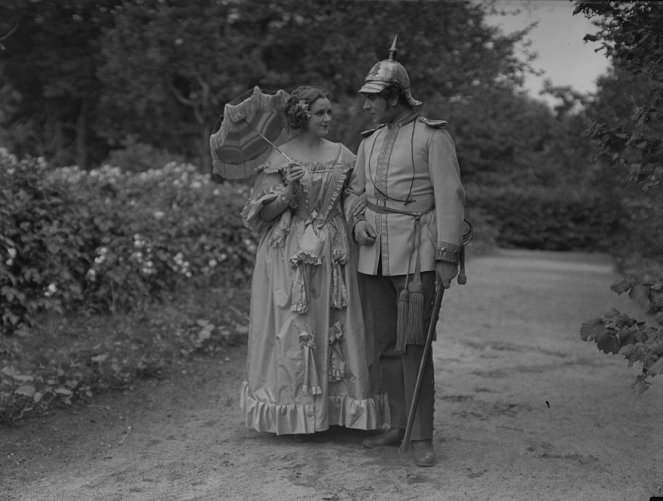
[368, 132]
[436, 124]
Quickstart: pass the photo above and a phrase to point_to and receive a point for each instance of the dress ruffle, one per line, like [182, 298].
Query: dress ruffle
[369, 414]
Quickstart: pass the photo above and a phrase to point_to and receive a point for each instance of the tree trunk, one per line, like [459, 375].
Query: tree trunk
[81, 135]
[205, 155]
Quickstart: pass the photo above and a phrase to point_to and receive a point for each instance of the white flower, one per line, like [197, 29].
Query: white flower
[159, 214]
[12, 254]
[139, 241]
[212, 263]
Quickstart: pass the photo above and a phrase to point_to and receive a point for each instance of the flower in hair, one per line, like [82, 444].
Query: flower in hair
[302, 107]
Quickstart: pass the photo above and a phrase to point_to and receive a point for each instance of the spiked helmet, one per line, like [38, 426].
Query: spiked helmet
[389, 72]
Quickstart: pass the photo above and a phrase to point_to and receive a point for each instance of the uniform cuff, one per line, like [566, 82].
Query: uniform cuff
[447, 252]
[356, 219]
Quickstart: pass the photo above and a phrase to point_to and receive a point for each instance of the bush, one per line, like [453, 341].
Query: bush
[44, 242]
[639, 231]
[135, 156]
[562, 219]
[106, 240]
[638, 341]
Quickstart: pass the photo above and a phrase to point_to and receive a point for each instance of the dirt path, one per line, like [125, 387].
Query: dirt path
[525, 410]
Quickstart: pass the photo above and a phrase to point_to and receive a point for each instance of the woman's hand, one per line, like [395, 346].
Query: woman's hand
[293, 175]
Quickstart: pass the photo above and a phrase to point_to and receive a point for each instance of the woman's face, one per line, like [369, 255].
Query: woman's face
[321, 113]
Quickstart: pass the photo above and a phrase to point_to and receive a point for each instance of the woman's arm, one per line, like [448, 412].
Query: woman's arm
[274, 208]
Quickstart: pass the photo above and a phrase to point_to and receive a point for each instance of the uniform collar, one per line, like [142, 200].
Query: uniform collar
[405, 117]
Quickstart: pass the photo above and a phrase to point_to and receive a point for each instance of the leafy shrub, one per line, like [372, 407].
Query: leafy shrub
[484, 231]
[637, 341]
[107, 240]
[640, 223]
[135, 156]
[44, 242]
[539, 218]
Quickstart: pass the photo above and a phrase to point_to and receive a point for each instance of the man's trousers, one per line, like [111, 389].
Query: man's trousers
[398, 372]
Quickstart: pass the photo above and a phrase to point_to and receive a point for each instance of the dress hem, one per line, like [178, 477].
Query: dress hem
[367, 414]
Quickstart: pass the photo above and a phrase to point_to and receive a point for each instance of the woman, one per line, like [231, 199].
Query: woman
[307, 364]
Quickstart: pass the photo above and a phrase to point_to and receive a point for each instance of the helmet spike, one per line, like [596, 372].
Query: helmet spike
[393, 50]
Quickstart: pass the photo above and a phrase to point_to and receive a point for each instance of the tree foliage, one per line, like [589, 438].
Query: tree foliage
[159, 71]
[50, 57]
[627, 126]
[631, 35]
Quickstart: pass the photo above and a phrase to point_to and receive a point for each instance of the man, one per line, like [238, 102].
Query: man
[410, 235]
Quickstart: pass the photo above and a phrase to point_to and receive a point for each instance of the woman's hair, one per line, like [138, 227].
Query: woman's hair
[297, 109]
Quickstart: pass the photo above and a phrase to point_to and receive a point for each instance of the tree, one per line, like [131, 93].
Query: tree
[627, 127]
[630, 34]
[170, 67]
[50, 61]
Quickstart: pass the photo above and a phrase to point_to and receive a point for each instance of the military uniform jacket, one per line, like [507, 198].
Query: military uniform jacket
[408, 165]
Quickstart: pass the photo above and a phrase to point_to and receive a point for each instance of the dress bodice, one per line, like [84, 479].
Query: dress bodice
[320, 188]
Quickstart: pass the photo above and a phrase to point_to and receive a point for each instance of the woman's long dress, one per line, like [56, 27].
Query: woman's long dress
[309, 366]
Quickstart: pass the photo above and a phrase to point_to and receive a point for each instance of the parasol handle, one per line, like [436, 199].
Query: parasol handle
[272, 144]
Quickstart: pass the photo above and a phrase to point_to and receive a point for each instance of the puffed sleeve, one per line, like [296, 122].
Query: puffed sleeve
[267, 187]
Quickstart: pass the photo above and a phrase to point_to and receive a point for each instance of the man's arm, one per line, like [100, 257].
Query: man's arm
[354, 200]
[449, 203]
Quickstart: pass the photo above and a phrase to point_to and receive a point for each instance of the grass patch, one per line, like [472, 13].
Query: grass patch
[63, 360]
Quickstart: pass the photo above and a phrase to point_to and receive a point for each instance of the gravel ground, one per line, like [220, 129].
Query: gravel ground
[524, 411]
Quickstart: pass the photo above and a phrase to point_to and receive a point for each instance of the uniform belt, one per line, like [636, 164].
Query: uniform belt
[416, 208]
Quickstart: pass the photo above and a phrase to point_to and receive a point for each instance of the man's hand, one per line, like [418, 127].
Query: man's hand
[364, 233]
[445, 273]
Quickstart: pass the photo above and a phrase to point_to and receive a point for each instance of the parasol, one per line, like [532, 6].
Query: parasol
[252, 125]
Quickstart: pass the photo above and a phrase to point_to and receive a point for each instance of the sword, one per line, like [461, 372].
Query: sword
[439, 294]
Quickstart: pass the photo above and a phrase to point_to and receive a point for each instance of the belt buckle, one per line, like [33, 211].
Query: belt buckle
[381, 202]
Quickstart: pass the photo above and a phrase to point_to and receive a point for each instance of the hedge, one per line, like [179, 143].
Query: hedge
[106, 240]
[561, 219]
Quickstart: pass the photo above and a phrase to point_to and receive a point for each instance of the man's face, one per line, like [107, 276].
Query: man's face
[379, 109]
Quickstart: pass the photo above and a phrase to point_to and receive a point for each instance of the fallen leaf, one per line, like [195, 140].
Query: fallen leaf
[27, 390]
[657, 368]
[100, 358]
